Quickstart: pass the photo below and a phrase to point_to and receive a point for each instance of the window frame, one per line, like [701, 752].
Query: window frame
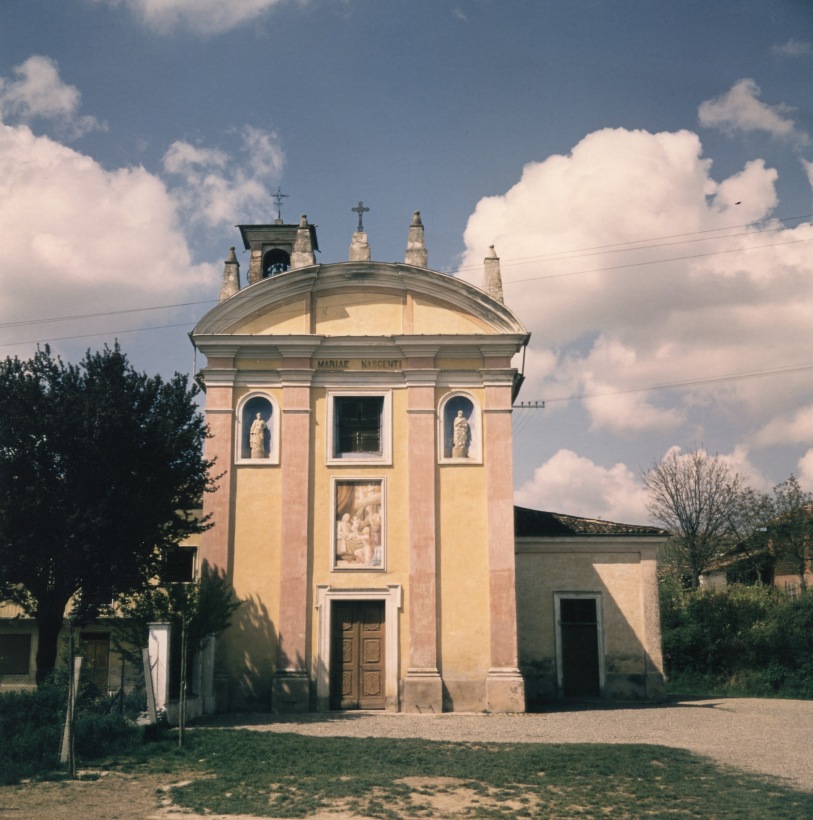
[557, 615]
[332, 457]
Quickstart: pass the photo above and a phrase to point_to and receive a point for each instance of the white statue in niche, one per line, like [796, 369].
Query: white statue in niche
[460, 448]
[256, 437]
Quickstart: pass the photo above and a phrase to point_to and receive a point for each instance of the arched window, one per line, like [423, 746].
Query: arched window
[258, 430]
[275, 261]
[460, 433]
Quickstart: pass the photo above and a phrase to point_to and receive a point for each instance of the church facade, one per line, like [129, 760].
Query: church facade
[360, 418]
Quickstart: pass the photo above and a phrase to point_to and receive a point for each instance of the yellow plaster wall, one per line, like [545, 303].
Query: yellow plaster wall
[251, 641]
[288, 317]
[430, 317]
[463, 575]
[616, 576]
[358, 313]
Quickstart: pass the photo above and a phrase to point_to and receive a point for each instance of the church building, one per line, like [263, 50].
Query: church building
[360, 418]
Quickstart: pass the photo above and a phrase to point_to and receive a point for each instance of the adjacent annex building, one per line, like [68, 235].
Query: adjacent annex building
[360, 415]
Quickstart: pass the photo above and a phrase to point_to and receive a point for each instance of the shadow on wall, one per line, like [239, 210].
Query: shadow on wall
[583, 625]
[244, 672]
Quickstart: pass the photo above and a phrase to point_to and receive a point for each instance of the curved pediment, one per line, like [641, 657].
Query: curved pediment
[359, 299]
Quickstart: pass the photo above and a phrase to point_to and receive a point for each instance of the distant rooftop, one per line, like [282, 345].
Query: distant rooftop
[530, 523]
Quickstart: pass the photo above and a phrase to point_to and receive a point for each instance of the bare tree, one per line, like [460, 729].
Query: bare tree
[696, 497]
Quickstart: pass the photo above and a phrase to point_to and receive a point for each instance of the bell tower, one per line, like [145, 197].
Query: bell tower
[278, 247]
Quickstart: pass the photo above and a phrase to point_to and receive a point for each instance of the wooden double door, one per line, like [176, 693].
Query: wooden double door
[357, 655]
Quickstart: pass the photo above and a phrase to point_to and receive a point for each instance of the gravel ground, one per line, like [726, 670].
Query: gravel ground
[770, 737]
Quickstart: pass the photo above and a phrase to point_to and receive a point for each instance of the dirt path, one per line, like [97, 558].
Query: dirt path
[770, 737]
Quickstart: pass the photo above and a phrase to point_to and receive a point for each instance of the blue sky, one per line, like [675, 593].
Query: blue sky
[134, 134]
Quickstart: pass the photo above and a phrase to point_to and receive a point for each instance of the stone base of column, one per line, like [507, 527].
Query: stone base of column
[290, 692]
[423, 691]
[505, 691]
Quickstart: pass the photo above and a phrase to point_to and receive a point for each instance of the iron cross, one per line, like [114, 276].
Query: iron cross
[278, 197]
[360, 209]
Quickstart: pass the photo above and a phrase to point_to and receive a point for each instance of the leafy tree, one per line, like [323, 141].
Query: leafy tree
[697, 498]
[99, 466]
[791, 531]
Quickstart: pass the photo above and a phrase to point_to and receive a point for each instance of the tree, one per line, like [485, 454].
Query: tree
[791, 530]
[100, 468]
[697, 498]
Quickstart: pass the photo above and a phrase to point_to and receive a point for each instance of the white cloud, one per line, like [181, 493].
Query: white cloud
[82, 239]
[571, 484]
[214, 189]
[740, 109]
[793, 49]
[201, 16]
[804, 471]
[38, 92]
[630, 262]
[793, 428]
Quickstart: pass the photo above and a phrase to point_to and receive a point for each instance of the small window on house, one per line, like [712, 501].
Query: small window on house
[792, 589]
[359, 425]
[15, 654]
[179, 566]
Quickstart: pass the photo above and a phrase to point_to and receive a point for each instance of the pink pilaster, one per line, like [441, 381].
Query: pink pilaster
[215, 543]
[290, 690]
[505, 688]
[423, 688]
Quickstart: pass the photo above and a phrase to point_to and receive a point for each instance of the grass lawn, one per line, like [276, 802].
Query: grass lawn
[290, 775]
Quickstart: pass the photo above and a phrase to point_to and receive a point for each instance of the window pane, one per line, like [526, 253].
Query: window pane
[179, 566]
[358, 424]
[15, 651]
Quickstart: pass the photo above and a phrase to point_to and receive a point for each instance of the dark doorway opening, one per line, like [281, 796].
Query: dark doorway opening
[357, 655]
[578, 623]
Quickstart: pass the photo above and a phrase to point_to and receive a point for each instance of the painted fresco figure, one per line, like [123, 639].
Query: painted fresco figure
[257, 437]
[461, 436]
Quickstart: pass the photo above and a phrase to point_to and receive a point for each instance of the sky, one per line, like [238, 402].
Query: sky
[644, 169]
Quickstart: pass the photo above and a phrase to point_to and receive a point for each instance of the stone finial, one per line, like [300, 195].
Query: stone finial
[416, 248]
[303, 254]
[359, 247]
[231, 277]
[492, 280]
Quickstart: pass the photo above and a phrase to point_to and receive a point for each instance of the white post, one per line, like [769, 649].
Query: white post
[158, 645]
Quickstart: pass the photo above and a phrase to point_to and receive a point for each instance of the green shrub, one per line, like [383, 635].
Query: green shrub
[739, 640]
[31, 724]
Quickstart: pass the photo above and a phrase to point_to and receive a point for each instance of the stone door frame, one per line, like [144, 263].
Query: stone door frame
[557, 614]
[392, 596]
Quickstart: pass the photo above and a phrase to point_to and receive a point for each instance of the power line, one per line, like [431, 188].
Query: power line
[652, 262]
[27, 322]
[755, 374]
[91, 335]
[628, 245]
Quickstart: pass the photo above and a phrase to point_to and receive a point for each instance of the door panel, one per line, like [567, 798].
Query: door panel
[357, 655]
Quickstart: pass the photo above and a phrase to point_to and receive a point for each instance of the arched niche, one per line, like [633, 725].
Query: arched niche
[275, 260]
[460, 433]
[258, 430]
